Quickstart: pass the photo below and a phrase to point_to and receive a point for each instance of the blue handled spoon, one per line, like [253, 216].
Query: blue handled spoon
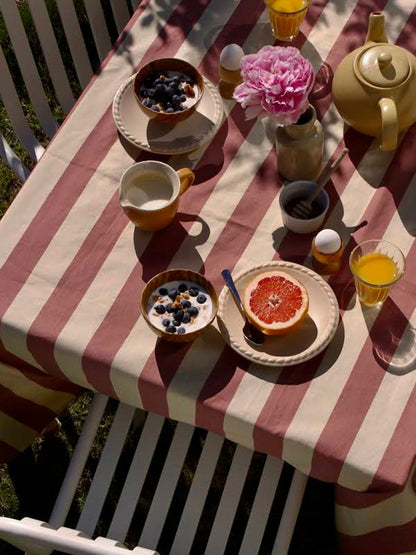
[251, 333]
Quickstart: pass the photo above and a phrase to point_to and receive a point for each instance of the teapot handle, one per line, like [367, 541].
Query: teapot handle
[389, 127]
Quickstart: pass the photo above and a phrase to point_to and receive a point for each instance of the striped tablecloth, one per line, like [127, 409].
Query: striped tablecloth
[72, 268]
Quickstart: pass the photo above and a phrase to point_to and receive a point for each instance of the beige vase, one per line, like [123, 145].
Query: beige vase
[299, 148]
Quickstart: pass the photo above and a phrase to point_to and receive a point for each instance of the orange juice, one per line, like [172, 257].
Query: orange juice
[375, 270]
[286, 17]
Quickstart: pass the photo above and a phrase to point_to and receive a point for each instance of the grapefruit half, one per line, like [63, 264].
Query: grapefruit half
[276, 302]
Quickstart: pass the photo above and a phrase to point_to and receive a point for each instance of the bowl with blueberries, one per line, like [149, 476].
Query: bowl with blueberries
[178, 305]
[168, 90]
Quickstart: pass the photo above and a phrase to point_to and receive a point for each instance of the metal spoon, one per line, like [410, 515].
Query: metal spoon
[251, 333]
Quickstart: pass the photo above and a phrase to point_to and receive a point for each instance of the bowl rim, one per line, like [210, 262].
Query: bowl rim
[322, 193]
[213, 294]
[201, 88]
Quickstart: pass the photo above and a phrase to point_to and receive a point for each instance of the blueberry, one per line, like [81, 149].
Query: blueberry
[186, 318]
[151, 93]
[181, 90]
[144, 92]
[148, 103]
[176, 99]
[183, 287]
[183, 98]
[193, 311]
[155, 108]
[189, 80]
[181, 330]
[172, 293]
[201, 299]
[170, 91]
[163, 291]
[179, 315]
[160, 309]
[186, 304]
[160, 86]
[169, 110]
[193, 291]
[176, 78]
[176, 323]
[158, 82]
[169, 308]
[171, 329]
[166, 322]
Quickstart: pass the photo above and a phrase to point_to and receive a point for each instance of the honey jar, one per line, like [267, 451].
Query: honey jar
[327, 250]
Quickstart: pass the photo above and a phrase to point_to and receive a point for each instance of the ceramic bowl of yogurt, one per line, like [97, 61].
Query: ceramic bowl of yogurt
[178, 305]
[168, 90]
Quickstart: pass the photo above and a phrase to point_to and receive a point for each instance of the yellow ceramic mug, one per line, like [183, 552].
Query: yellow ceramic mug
[149, 193]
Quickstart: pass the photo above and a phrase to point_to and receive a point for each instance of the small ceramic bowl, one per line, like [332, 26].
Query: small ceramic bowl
[300, 190]
[180, 275]
[160, 66]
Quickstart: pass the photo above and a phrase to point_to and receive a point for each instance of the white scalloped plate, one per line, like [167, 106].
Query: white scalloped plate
[164, 138]
[312, 336]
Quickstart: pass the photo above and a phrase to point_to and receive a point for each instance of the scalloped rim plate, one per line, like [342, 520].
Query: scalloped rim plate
[164, 138]
[312, 336]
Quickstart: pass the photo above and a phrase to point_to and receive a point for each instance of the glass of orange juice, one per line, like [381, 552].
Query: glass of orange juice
[376, 266]
[286, 17]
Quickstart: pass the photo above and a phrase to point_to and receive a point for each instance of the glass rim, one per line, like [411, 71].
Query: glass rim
[288, 14]
[377, 285]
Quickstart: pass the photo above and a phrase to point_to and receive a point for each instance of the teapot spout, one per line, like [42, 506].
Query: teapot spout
[376, 28]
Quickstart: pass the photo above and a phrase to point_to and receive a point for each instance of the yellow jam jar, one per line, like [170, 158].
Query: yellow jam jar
[286, 17]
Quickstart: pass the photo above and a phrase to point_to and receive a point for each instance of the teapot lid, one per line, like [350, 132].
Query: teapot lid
[383, 65]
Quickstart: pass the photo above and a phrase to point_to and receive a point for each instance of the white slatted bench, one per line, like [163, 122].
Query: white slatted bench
[223, 535]
[56, 68]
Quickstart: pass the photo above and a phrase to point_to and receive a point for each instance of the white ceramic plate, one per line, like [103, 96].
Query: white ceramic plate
[164, 138]
[312, 336]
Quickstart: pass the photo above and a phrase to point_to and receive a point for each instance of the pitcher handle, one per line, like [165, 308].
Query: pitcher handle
[389, 127]
[186, 177]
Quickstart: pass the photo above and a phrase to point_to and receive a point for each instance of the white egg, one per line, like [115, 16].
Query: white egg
[327, 241]
[230, 57]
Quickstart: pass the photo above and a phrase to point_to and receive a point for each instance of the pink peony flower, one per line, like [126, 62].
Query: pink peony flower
[277, 82]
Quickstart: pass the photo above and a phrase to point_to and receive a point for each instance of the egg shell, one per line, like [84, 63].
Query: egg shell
[230, 57]
[328, 241]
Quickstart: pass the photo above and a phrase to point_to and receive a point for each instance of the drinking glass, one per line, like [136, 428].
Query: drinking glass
[286, 21]
[374, 294]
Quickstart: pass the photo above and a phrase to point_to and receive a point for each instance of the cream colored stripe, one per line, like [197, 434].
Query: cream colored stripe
[27, 389]
[234, 181]
[14, 433]
[344, 350]
[397, 385]
[61, 251]
[227, 195]
[242, 412]
[257, 384]
[192, 375]
[327, 386]
[83, 120]
[121, 261]
[395, 511]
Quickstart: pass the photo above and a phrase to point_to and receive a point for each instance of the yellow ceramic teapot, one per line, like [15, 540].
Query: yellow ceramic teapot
[374, 87]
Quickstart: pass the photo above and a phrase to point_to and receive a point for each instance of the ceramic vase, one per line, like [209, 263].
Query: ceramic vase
[300, 147]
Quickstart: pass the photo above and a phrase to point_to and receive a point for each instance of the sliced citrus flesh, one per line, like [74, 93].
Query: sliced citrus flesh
[276, 302]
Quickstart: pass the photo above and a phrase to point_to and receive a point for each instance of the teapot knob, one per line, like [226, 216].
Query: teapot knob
[384, 59]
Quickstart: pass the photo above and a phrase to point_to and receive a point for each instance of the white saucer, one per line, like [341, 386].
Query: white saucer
[304, 343]
[163, 138]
